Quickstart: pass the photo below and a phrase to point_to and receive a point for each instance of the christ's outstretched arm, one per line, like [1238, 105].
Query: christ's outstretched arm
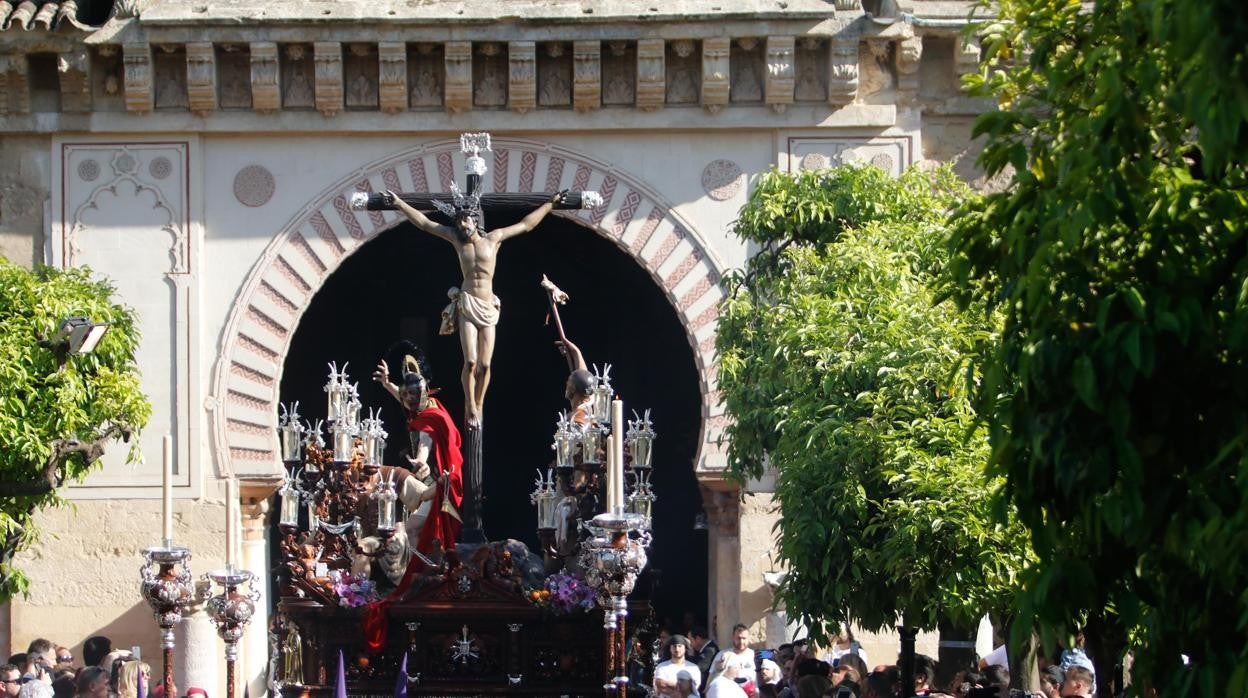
[420, 220]
[530, 221]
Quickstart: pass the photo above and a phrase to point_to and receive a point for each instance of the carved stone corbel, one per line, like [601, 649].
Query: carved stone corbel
[651, 74]
[586, 75]
[137, 61]
[778, 92]
[458, 95]
[201, 77]
[74, 67]
[327, 61]
[843, 70]
[392, 76]
[521, 76]
[715, 73]
[909, 53]
[266, 88]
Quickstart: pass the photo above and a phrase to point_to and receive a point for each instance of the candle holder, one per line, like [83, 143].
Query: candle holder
[640, 440]
[337, 392]
[290, 434]
[612, 557]
[288, 495]
[373, 441]
[641, 499]
[167, 587]
[230, 611]
[544, 497]
[566, 442]
[386, 497]
[602, 395]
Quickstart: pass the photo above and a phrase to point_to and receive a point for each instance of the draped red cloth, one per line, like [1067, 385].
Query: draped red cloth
[440, 524]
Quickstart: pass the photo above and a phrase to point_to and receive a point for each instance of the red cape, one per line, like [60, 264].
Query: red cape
[435, 421]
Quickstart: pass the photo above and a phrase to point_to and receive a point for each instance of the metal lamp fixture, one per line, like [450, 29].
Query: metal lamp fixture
[290, 433]
[386, 510]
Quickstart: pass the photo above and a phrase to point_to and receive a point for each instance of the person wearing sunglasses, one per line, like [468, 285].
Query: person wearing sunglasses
[11, 680]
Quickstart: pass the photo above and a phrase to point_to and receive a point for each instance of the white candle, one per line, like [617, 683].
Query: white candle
[166, 491]
[617, 453]
[612, 485]
[231, 521]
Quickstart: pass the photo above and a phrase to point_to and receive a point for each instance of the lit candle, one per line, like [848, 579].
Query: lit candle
[166, 491]
[231, 521]
[617, 453]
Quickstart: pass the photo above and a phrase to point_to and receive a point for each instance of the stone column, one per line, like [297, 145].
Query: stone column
[254, 654]
[198, 652]
[720, 499]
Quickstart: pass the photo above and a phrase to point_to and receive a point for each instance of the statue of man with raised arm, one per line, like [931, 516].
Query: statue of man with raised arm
[474, 308]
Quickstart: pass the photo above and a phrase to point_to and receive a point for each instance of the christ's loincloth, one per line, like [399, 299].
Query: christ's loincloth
[481, 313]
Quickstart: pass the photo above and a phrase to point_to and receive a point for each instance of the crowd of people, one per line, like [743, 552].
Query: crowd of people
[46, 670]
[693, 666]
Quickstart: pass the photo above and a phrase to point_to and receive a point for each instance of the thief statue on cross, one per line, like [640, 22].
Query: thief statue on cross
[473, 311]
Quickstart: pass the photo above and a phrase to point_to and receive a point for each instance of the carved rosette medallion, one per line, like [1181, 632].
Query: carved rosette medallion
[721, 179]
[254, 186]
[814, 161]
[89, 170]
[160, 167]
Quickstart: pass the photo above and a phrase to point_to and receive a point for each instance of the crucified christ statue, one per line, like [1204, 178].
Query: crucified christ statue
[474, 308]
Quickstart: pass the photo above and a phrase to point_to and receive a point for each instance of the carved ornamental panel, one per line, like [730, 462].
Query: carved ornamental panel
[748, 68]
[201, 77]
[169, 69]
[137, 60]
[459, 74]
[266, 93]
[684, 72]
[891, 154]
[651, 74]
[778, 91]
[360, 75]
[554, 74]
[327, 66]
[619, 73]
[234, 77]
[426, 73]
[392, 76]
[298, 79]
[490, 74]
[812, 70]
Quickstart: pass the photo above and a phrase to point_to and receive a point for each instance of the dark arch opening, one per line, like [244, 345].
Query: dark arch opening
[395, 286]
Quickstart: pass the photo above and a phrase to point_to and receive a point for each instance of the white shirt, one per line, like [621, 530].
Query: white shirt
[668, 671]
[837, 653]
[743, 659]
[724, 687]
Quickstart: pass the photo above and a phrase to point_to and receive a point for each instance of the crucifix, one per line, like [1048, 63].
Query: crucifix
[474, 309]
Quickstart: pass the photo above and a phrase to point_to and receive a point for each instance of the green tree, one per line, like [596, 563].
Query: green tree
[57, 413]
[841, 372]
[1118, 396]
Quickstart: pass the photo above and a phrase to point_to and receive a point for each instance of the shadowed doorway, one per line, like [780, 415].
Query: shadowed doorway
[394, 287]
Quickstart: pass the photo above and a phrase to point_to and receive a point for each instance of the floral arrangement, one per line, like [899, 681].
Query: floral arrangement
[564, 593]
[352, 591]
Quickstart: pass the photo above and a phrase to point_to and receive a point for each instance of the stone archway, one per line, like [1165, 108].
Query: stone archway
[316, 241]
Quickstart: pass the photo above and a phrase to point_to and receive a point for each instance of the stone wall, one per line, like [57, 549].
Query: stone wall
[25, 181]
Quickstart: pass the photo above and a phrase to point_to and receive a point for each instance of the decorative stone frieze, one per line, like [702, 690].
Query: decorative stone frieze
[651, 74]
[426, 66]
[779, 88]
[458, 93]
[74, 68]
[137, 59]
[266, 91]
[521, 76]
[201, 77]
[908, 53]
[586, 75]
[327, 59]
[843, 69]
[392, 76]
[715, 65]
